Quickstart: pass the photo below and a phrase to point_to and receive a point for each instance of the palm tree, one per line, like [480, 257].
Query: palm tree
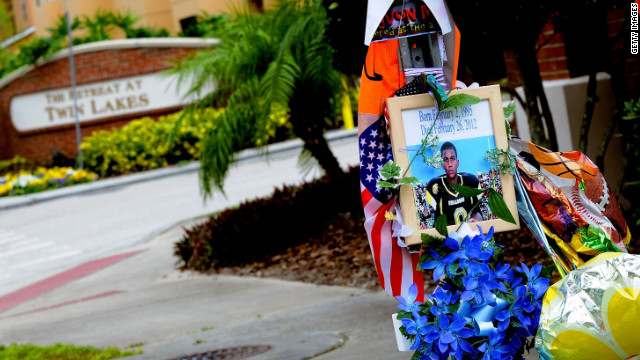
[265, 61]
[99, 27]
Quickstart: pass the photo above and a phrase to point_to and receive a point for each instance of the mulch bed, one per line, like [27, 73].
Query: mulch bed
[341, 256]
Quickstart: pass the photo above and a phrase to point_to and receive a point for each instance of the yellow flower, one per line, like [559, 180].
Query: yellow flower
[4, 189]
[389, 216]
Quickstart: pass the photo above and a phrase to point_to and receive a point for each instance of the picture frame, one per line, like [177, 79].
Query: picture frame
[478, 127]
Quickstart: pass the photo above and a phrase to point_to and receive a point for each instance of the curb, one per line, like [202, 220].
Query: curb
[285, 148]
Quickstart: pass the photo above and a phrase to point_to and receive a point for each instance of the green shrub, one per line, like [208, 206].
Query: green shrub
[630, 133]
[143, 144]
[290, 216]
[13, 165]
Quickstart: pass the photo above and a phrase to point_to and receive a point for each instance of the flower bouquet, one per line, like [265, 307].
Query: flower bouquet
[481, 307]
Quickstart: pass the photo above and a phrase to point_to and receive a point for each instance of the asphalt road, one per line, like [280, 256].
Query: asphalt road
[40, 239]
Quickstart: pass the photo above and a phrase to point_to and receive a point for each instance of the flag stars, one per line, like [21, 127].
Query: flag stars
[361, 152]
[369, 166]
[363, 141]
[369, 178]
[372, 144]
[380, 146]
[374, 133]
[380, 157]
[371, 156]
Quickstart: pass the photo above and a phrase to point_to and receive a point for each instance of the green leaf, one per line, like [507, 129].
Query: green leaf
[385, 184]
[417, 355]
[454, 268]
[499, 208]
[467, 191]
[509, 109]
[410, 180]
[441, 225]
[508, 128]
[404, 315]
[436, 90]
[547, 271]
[460, 100]
[390, 171]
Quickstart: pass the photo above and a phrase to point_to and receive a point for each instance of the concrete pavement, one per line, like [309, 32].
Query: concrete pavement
[143, 300]
[132, 295]
[44, 233]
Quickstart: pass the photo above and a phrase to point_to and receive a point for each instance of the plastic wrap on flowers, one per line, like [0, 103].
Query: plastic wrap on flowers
[593, 312]
[575, 206]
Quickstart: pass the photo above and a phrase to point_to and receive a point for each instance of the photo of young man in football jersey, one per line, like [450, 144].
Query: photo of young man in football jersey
[447, 201]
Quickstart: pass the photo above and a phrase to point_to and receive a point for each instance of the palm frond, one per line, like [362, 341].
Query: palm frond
[307, 163]
[279, 82]
[234, 130]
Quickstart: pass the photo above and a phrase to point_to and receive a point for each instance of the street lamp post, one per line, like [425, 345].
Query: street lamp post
[72, 71]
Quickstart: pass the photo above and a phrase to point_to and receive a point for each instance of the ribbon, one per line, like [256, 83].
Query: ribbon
[400, 230]
[482, 316]
[596, 238]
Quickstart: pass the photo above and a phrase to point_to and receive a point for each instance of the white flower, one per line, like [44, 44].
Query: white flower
[465, 230]
[400, 230]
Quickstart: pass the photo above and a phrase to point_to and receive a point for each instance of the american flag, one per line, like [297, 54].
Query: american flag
[395, 266]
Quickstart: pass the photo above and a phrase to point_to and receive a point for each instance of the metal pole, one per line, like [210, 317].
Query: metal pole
[72, 69]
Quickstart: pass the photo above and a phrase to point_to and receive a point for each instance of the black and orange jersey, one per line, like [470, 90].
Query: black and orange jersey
[448, 201]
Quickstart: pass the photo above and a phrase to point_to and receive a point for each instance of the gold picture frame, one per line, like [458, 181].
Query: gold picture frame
[467, 127]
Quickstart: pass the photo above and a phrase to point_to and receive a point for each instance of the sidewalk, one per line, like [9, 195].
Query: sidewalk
[139, 299]
[142, 300]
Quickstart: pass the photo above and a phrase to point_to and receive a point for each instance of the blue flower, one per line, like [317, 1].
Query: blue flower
[474, 254]
[441, 300]
[410, 304]
[499, 348]
[452, 333]
[492, 349]
[481, 287]
[440, 264]
[537, 285]
[522, 310]
[504, 272]
[418, 327]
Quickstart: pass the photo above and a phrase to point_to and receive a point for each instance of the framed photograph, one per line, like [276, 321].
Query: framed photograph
[465, 134]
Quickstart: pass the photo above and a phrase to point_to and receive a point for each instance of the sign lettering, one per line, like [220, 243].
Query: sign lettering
[95, 101]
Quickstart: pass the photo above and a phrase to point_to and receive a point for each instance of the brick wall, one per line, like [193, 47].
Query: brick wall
[615, 22]
[552, 58]
[90, 67]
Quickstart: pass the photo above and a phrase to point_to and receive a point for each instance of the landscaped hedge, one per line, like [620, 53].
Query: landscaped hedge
[290, 216]
[145, 143]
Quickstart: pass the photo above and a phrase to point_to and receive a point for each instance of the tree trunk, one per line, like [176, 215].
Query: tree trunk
[588, 113]
[307, 117]
[534, 95]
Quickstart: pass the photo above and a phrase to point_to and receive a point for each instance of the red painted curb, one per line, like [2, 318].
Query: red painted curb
[108, 293]
[29, 292]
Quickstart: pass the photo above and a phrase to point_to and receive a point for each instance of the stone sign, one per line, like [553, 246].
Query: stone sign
[45, 109]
